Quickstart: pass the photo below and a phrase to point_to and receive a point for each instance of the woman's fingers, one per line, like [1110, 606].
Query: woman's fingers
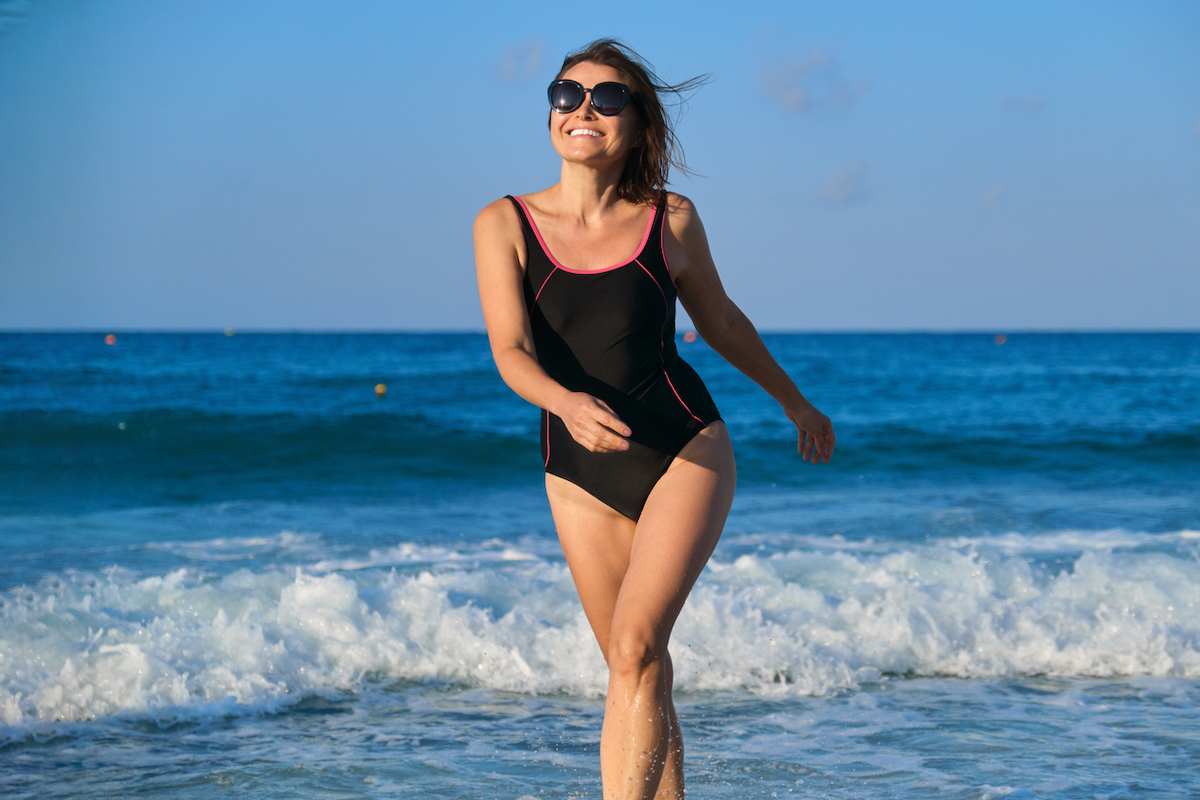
[601, 439]
[594, 425]
[822, 443]
[610, 419]
[815, 442]
[830, 440]
[810, 447]
[605, 427]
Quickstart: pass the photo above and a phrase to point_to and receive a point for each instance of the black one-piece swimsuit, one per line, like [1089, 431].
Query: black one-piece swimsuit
[611, 333]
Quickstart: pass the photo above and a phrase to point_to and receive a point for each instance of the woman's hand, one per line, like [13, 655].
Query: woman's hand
[592, 423]
[816, 437]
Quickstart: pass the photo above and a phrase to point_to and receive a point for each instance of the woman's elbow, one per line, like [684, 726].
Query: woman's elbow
[508, 357]
[719, 329]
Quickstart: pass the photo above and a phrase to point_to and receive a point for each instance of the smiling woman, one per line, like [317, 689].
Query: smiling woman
[578, 284]
[647, 169]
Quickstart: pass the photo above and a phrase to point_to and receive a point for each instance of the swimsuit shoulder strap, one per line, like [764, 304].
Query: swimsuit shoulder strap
[658, 234]
[520, 213]
[533, 241]
[538, 264]
[660, 217]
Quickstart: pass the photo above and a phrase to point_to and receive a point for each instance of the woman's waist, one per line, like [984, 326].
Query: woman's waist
[631, 381]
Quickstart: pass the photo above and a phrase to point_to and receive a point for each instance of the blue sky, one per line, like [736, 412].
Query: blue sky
[304, 165]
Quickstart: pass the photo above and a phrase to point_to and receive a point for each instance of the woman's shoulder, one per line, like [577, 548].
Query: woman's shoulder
[498, 233]
[679, 204]
[682, 217]
[504, 210]
[497, 216]
[501, 208]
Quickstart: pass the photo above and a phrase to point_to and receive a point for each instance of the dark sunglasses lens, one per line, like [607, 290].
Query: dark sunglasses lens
[609, 98]
[565, 96]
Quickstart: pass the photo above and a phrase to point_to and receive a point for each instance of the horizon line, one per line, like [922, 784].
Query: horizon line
[234, 331]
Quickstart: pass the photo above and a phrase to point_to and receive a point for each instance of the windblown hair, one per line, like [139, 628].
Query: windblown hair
[649, 164]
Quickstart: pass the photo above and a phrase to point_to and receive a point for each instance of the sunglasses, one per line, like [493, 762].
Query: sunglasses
[608, 98]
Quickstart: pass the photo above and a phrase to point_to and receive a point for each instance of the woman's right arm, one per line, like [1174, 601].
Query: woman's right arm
[499, 245]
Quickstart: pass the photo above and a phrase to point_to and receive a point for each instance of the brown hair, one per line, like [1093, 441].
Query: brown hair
[645, 175]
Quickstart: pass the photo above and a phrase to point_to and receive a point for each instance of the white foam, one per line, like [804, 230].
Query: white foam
[79, 645]
[1080, 541]
[942, 611]
[408, 554]
[242, 548]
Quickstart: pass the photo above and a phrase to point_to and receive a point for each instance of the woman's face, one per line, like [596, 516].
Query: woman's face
[587, 137]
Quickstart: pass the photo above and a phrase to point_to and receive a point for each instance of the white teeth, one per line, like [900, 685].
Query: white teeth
[585, 132]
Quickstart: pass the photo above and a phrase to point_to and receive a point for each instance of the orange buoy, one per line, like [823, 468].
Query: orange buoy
[380, 390]
[110, 339]
[689, 337]
[1001, 338]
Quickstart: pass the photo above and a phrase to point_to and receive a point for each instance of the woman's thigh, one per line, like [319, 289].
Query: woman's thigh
[596, 541]
[676, 534]
[647, 567]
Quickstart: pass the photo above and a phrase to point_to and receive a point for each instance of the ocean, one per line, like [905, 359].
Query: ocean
[228, 568]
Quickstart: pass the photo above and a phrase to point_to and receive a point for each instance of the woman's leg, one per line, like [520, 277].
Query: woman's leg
[633, 581]
[672, 542]
[597, 540]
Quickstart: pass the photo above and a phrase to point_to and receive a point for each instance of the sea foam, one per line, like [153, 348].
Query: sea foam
[807, 620]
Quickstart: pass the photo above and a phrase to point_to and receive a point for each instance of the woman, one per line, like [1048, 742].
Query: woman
[578, 285]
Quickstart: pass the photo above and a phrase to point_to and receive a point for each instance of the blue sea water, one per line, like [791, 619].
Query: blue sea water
[227, 567]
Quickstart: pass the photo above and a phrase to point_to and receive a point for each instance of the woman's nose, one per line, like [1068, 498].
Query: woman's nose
[585, 109]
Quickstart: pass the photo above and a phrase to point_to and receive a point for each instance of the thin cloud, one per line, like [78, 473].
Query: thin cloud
[801, 84]
[12, 13]
[1031, 104]
[521, 60]
[845, 185]
[993, 195]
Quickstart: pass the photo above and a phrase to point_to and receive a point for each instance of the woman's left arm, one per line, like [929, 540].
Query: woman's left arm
[728, 331]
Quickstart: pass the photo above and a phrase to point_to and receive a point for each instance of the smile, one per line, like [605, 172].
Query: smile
[585, 132]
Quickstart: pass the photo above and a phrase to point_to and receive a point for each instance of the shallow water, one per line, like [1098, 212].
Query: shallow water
[1021, 737]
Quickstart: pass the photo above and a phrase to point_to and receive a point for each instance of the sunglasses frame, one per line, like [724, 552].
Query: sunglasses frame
[589, 95]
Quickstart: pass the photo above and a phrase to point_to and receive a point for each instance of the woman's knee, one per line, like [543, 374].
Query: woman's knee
[634, 652]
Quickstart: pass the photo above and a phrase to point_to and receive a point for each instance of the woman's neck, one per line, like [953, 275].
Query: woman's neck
[586, 192]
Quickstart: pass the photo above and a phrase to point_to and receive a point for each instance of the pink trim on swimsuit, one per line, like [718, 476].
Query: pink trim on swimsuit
[554, 261]
[662, 342]
[543, 286]
[680, 399]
